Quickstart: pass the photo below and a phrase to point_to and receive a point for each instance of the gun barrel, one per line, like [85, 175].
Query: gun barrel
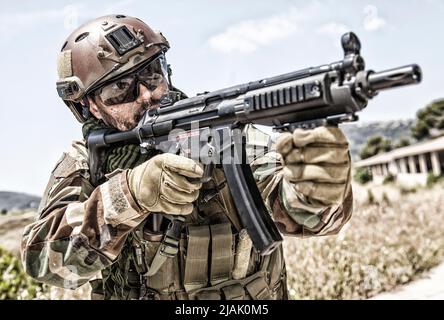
[396, 77]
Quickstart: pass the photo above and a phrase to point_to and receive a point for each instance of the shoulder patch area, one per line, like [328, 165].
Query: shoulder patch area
[78, 148]
[72, 161]
[64, 167]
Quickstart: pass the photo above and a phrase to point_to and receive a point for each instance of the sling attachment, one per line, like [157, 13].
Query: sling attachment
[169, 246]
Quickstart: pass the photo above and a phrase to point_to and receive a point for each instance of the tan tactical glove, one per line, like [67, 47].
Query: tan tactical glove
[161, 185]
[316, 168]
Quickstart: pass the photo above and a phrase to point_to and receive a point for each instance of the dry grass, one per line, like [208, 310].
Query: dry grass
[384, 245]
[55, 293]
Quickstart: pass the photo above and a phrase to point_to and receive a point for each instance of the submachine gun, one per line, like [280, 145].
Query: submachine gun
[213, 122]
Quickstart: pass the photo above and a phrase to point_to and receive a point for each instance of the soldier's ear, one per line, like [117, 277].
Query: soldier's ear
[94, 109]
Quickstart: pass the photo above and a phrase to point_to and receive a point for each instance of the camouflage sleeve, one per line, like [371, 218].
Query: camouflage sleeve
[302, 221]
[80, 229]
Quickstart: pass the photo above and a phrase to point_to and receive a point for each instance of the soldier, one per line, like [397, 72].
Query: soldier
[112, 69]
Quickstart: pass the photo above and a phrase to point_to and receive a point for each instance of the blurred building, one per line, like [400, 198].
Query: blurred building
[409, 165]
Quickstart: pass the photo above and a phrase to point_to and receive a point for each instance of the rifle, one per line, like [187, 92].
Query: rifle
[325, 95]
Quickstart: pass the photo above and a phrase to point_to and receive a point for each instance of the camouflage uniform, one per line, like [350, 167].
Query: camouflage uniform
[84, 233]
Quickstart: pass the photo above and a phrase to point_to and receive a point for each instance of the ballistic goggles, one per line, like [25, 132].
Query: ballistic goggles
[126, 88]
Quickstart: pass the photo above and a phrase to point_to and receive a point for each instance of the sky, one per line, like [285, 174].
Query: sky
[214, 44]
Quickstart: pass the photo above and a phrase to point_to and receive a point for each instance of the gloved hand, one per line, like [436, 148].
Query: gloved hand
[161, 185]
[316, 165]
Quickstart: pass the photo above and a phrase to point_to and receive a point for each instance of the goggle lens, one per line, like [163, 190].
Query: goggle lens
[126, 89]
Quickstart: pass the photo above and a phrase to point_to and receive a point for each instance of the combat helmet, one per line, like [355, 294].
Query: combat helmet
[100, 50]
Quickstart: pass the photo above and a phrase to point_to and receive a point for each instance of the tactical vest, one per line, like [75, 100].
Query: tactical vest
[213, 259]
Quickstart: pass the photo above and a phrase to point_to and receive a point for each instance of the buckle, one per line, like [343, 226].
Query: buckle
[169, 245]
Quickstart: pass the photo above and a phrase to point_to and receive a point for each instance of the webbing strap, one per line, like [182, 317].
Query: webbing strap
[169, 245]
[196, 267]
[222, 253]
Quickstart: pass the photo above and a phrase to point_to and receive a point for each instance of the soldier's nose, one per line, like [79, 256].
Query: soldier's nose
[145, 95]
[144, 92]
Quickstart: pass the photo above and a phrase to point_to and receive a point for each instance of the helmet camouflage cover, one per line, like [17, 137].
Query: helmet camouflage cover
[100, 50]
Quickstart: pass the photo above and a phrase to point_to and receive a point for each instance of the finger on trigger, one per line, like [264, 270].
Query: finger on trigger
[180, 182]
[184, 166]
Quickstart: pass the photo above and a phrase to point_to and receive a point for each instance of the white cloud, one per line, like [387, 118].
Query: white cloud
[11, 23]
[27, 18]
[247, 36]
[372, 21]
[71, 17]
[119, 7]
[333, 29]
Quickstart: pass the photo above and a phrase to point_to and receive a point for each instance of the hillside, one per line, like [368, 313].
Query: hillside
[358, 132]
[17, 201]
